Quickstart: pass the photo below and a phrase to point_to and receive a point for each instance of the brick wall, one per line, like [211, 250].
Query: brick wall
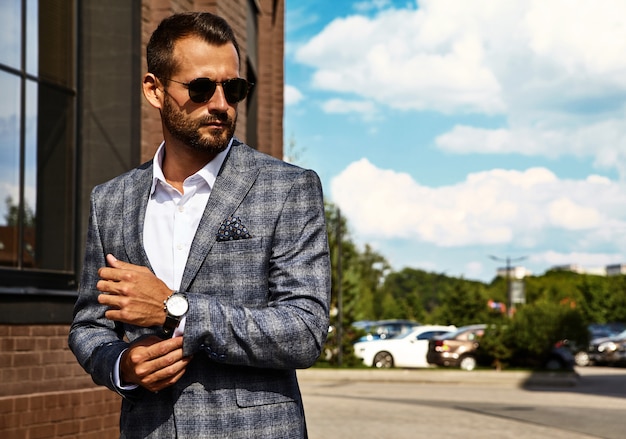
[271, 76]
[271, 52]
[44, 393]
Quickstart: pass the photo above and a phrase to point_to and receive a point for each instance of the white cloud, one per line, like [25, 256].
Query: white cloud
[292, 95]
[494, 207]
[401, 66]
[605, 139]
[474, 270]
[369, 5]
[582, 259]
[555, 70]
[587, 35]
[566, 214]
[345, 106]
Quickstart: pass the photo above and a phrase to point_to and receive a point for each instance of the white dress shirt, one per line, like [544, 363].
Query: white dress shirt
[171, 222]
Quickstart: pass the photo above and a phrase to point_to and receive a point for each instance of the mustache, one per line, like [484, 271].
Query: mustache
[215, 118]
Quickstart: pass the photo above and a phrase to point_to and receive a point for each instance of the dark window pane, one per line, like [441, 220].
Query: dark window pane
[55, 178]
[56, 42]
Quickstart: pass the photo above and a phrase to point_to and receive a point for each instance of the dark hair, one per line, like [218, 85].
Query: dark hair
[211, 28]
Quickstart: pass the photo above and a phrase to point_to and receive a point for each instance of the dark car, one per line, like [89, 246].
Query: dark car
[461, 349]
[456, 349]
[596, 352]
[608, 350]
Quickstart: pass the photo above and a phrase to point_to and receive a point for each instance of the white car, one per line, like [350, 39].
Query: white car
[404, 350]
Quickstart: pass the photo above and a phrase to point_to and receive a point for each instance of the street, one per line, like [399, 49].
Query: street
[413, 404]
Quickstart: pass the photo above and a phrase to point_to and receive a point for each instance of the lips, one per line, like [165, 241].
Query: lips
[213, 125]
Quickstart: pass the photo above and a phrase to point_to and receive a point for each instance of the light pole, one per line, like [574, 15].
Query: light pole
[339, 292]
[508, 261]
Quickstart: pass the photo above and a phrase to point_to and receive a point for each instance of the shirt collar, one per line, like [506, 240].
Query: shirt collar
[208, 172]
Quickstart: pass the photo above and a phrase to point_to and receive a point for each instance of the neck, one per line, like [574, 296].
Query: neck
[180, 163]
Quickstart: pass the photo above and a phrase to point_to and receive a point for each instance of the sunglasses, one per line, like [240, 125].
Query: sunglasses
[201, 89]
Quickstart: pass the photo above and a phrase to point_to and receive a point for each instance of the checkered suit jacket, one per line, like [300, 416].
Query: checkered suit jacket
[258, 306]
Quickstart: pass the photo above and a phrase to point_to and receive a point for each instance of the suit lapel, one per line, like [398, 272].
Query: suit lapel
[136, 193]
[231, 186]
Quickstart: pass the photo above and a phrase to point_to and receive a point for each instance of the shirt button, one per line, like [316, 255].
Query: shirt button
[181, 208]
[180, 246]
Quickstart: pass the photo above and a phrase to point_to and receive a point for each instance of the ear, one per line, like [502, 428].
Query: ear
[152, 90]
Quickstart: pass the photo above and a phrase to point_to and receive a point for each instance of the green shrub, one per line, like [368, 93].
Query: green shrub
[529, 337]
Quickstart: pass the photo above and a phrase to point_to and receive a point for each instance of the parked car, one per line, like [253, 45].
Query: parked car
[560, 357]
[384, 329]
[456, 349]
[608, 350]
[460, 349]
[404, 350]
[598, 333]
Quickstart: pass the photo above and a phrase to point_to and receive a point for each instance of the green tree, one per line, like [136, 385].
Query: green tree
[465, 304]
[539, 326]
[616, 304]
[497, 344]
[356, 275]
[594, 299]
[13, 214]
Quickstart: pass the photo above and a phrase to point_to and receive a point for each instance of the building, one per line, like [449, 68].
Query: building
[72, 116]
[608, 270]
[616, 270]
[517, 272]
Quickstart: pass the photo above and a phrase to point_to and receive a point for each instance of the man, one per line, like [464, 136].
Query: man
[206, 277]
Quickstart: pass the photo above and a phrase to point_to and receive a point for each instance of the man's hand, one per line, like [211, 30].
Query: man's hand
[154, 363]
[133, 293]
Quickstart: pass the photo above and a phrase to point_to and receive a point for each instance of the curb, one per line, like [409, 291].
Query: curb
[448, 376]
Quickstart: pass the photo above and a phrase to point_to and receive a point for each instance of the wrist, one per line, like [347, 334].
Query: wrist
[175, 308]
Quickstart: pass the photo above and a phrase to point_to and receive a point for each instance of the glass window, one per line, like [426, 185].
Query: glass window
[37, 140]
[9, 167]
[32, 36]
[10, 32]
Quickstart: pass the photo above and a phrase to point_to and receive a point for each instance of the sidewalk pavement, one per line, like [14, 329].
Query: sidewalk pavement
[514, 378]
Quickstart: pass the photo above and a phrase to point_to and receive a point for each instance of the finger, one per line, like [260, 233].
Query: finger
[109, 300]
[164, 347]
[166, 382]
[113, 262]
[155, 349]
[112, 274]
[161, 368]
[167, 376]
[106, 286]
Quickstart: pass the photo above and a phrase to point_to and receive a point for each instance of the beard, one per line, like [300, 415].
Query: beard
[187, 130]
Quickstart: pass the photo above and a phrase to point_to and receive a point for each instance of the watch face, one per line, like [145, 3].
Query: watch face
[177, 305]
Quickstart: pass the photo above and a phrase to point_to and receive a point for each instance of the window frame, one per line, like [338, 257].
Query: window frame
[17, 278]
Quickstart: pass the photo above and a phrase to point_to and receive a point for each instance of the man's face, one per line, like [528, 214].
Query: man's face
[208, 132]
[206, 126]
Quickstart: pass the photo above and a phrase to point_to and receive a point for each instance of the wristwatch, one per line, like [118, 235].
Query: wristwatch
[175, 308]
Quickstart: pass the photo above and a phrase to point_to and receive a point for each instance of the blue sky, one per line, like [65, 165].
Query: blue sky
[451, 130]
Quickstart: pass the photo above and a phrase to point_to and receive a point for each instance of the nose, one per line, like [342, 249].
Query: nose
[218, 101]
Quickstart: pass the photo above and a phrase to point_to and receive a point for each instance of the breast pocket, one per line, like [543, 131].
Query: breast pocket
[238, 269]
[239, 246]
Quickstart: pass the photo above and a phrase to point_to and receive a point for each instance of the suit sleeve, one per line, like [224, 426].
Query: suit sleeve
[95, 341]
[289, 329]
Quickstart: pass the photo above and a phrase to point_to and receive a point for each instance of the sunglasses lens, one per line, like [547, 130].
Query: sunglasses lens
[201, 90]
[236, 89]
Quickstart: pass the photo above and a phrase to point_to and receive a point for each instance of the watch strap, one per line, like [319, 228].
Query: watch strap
[171, 321]
[170, 324]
